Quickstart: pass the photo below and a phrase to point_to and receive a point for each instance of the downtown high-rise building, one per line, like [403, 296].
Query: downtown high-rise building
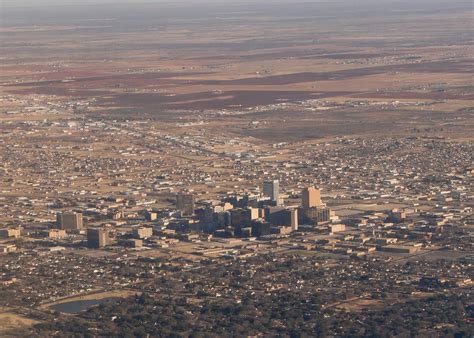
[272, 189]
[185, 204]
[97, 238]
[310, 198]
[69, 221]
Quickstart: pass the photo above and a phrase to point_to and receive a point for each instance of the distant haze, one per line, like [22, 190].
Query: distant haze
[37, 3]
[45, 12]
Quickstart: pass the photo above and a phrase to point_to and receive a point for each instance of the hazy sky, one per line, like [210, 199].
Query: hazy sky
[15, 3]
[39, 3]
[78, 2]
[36, 3]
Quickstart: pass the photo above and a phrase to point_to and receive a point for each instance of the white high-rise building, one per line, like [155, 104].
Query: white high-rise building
[272, 190]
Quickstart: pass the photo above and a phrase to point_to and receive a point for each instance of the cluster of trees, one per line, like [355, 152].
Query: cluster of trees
[233, 298]
[280, 314]
[439, 315]
[166, 317]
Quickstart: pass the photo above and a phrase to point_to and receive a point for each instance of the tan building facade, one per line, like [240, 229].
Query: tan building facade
[311, 197]
[10, 233]
[142, 232]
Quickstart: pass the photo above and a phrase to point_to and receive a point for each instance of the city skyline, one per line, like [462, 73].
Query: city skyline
[267, 168]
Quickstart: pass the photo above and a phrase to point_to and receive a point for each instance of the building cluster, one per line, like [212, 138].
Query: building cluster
[142, 185]
[122, 205]
[293, 222]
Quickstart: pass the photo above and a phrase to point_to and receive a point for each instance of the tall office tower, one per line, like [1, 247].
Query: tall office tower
[317, 215]
[272, 190]
[311, 197]
[241, 217]
[97, 238]
[294, 219]
[69, 221]
[282, 216]
[185, 203]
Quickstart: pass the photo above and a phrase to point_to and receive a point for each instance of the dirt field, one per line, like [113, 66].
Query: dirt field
[263, 56]
[10, 322]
